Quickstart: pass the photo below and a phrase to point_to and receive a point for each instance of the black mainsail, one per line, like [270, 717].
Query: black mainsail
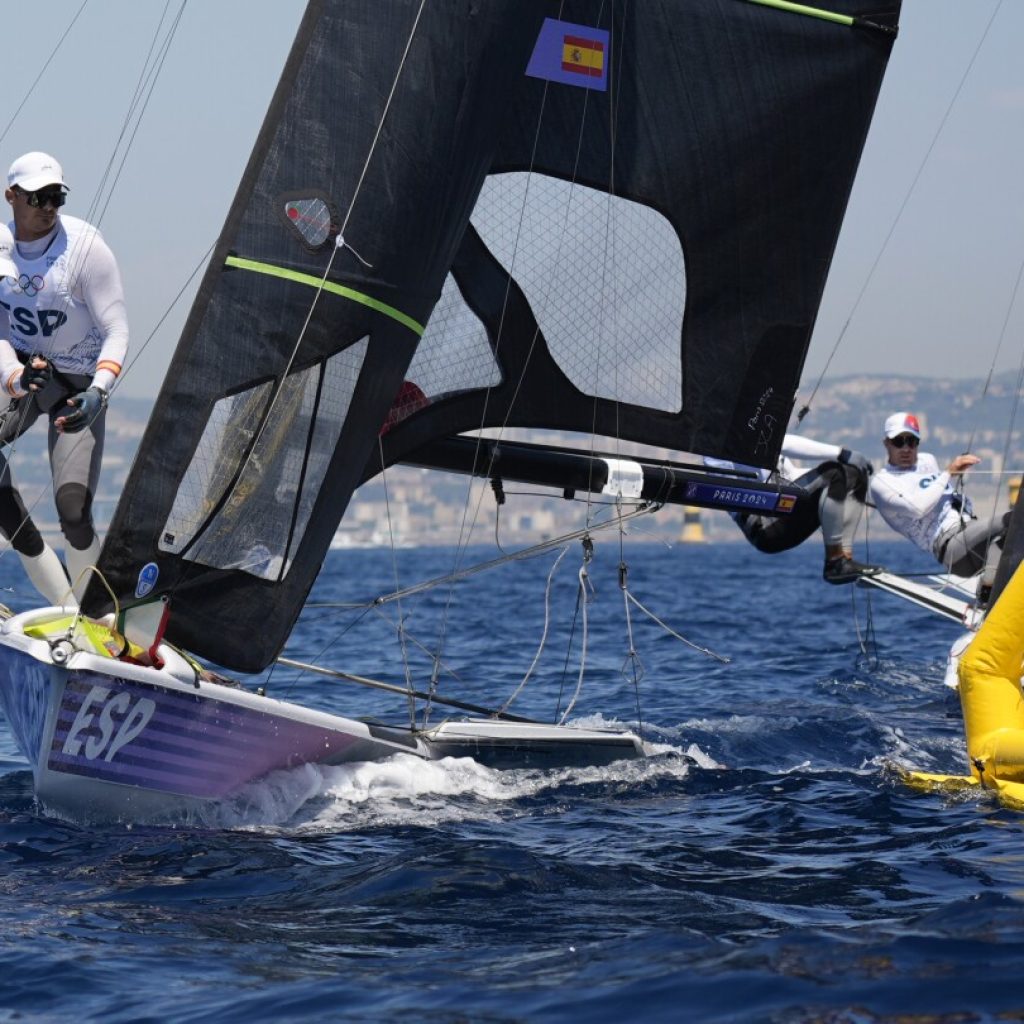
[614, 218]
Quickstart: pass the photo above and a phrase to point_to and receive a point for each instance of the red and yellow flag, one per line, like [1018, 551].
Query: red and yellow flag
[583, 56]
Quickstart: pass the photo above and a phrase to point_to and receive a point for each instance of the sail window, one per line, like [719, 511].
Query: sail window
[247, 496]
[454, 354]
[313, 218]
[604, 276]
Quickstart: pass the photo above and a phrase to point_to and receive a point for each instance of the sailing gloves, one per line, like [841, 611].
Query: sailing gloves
[855, 459]
[35, 378]
[87, 405]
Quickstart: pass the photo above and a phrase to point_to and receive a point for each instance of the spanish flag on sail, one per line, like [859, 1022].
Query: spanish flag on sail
[571, 54]
[583, 56]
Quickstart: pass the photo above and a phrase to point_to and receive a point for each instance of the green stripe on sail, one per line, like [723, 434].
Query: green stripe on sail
[328, 286]
[811, 12]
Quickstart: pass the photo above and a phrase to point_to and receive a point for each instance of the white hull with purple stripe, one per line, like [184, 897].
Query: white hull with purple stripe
[111, 740]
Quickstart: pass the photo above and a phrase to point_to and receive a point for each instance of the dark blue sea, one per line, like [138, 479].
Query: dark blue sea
[766, 865]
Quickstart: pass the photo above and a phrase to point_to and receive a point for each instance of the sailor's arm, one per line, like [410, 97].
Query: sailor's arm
[10, 364]
[794, 446]
[904, 494]
[104, 295]
[961, 463]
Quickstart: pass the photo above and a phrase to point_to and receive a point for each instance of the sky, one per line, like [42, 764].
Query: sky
[923, 276]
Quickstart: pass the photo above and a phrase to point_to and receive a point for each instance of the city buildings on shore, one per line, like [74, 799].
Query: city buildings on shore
[411, 506]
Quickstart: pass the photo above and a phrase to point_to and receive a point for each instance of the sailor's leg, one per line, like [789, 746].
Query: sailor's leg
[75, 460]
[771, 534]
[40, 561]
[832, 512]
[42, 566]
[977, 548]
[80, 562]
[46, 572]
[842, 490]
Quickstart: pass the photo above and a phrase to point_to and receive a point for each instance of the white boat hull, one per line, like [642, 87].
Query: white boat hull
[108, 739]
[111, 740]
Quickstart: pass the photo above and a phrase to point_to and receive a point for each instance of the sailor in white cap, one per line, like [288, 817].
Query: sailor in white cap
[63, 341]
[917, 499]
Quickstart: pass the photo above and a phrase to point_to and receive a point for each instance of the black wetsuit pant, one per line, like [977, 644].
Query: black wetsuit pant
[75, 461]
[834, 481]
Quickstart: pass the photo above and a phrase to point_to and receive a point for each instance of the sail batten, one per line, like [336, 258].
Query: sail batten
[328, 286]
[613, 219]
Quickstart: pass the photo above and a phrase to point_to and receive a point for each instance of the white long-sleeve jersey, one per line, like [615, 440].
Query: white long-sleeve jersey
[794, 446]
[66, 304]
[917, 502]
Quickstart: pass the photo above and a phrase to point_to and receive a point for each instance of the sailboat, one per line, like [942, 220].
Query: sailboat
[612, 220]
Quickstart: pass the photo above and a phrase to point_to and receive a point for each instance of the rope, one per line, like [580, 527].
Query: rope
[668, 629]
[516, 556]
[632, 656]
[544, 631]
[583, 603]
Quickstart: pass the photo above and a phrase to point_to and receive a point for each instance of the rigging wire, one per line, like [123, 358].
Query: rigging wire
[668, 629]
[515, 556]
[998, 345]
[401, 623]
[42, 70]
[151, 77]
[806, 408]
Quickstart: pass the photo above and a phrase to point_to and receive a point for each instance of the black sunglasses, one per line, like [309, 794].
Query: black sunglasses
[904, 440]
[55, 197]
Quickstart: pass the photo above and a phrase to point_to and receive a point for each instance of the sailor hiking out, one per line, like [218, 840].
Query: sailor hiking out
[63, 340]
[917, 500]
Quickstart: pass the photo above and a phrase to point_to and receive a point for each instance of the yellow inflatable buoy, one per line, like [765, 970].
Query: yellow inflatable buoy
[992, 703]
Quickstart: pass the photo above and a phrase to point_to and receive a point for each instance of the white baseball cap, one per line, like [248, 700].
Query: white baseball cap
[902, 423]
[34, 171]
[7, 267]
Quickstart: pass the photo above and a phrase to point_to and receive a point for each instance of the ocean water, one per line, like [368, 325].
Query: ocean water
[766, 864]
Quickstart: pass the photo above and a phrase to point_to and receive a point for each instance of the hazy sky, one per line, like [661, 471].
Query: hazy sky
[935, 304]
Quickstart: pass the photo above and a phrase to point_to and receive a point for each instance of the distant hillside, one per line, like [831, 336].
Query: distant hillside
[851, 411]
[846, 410]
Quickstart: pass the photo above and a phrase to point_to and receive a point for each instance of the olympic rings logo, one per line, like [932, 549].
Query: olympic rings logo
[30, 286]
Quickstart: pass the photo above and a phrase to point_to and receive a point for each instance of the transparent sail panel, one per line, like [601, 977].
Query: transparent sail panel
[311, 218]
[247, 526]
[454, 354]
[605, 278]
